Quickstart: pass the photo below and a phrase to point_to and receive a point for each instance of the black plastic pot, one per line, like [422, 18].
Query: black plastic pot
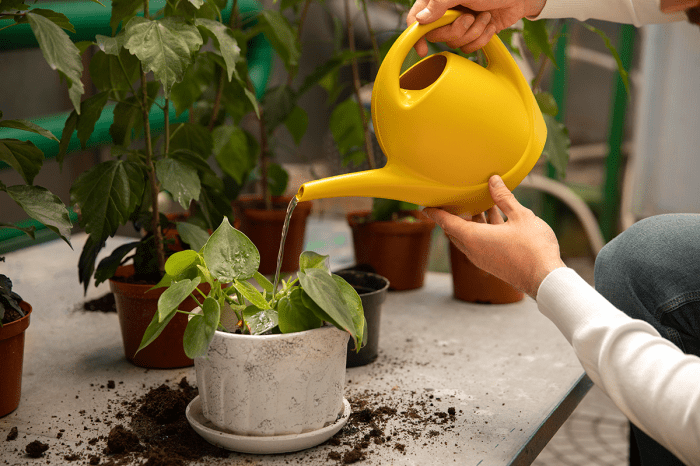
[372, 289]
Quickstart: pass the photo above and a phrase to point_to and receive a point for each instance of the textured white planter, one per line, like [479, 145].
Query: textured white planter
[273, 384]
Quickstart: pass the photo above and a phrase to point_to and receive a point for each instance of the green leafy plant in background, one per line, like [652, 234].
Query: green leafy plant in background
[197, 63]
[228, 263]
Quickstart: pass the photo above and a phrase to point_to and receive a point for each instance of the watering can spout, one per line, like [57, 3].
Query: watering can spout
[369, 183]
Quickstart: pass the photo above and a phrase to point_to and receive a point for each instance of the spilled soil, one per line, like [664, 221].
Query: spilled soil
[151, 429]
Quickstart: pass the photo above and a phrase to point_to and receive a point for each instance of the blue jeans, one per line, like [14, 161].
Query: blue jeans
[651, 272]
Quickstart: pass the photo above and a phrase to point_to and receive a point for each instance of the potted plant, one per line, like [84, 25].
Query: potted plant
[267, 367]
[211, 83]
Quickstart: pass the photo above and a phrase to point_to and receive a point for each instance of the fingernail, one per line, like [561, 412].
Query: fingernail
[423, 14]
[496, 182]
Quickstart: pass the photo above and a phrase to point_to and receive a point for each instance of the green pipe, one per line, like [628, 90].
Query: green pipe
[89, 19]
[12, 239]
[558, 89]
[611, 198]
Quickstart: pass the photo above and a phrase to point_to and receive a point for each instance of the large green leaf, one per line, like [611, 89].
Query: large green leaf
[128, 117]
[66, 135]
[193, 137]
[547, 103]
[114, 72]
[175, 295]
[200, 329]
[88, 256]
[111, 45]
[225, 43]
[60, 54]
[182, 261]
[193, 235]
[294, 316]
[90, 111]
[353, 303]
[42, 205]
[155, 328]
[323, 289]
[123, 10]
[23, 156]
[296, 123]
[26, 125]
[235, 151]
[197, 79]
[179, 180]
[260, 321]
[312, 260]
[613, 51]
[281, 35]
[108, 194]
[230, 255]
[164, 47]
[59, 19]
[278, 104]
[537, 39]
[556, 147]
[277, 179]
[196, 161]
[347, 130]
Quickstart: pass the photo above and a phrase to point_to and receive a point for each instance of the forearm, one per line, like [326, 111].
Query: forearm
[652, 382]
[637, 12]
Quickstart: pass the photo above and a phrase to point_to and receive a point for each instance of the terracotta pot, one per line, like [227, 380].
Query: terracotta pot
[473, 285]
[397, 250]
[12, 351]
[136, 306]
[264, 228]
[372, 289]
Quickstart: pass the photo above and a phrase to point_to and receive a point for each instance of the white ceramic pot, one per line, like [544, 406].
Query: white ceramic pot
[270, 385]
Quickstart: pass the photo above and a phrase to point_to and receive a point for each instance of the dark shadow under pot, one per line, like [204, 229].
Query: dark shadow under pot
[372, 289]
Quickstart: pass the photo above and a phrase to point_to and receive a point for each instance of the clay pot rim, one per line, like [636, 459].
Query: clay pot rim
[276, 337]
[423, 223]
[11, 329]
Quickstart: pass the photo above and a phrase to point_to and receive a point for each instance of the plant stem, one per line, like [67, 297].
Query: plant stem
[373, 38]
[217, 98]
[166, 115]
[540, 73]
[356, 87]
[302, 19]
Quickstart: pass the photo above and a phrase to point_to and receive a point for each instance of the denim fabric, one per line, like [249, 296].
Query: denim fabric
[652, 272]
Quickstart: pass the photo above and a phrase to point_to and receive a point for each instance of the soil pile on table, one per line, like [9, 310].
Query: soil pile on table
[104, 303]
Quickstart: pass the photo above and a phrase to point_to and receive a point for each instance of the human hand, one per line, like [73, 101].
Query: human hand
[521, 251]
[479, 22]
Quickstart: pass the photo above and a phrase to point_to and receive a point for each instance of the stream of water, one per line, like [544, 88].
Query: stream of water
[285, 230]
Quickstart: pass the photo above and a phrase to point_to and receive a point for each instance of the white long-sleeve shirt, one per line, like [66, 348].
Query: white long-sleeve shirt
[637, 12]
[651, 380]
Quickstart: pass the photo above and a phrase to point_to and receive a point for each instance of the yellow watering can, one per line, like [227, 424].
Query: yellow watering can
[445, 125]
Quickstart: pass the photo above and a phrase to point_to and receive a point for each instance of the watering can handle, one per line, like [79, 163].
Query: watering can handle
[500, 60]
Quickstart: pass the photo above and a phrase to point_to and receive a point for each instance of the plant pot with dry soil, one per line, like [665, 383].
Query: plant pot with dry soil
[397, 249]
[14, 320]
[270, 364]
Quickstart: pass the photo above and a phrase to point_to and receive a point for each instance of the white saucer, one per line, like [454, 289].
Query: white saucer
[261, 445]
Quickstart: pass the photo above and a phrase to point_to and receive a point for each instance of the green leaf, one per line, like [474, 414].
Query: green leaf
[29, 231]
[42, 205]
[230, 255]
[278, 104]
[507, 35]
[182, 261]
[281, 35]
[108, 266]
[235, 151]
[193, 137]
[294, 316]
[66, 135]
[174, 296]
[196, 161]
[613, 51]
[155, 328]
[537, 39]
[26, 125]
[164, 47]
[353, 303]
[59, 19]
[23, 156]
[60, 53]
[108, 194]
[110, 45]
[277, 179]
[547, 104]
[383, 210]
[259, 321]
[323, 289]
[193, 235]
[128, 117]
[330, 66]
[225, 43]
[114, 72]
[296, 123]
[250, 293]
[201, 328]
[264, 283]
[86, 262]
[197, 3]
[196, 80]
[179, 180]
[90, 111]
[312, 260]
[10, 5]
[123, 10]
[556, 147]
[346, 127]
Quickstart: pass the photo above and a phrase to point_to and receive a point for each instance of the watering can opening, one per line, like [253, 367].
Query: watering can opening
[424, 73]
